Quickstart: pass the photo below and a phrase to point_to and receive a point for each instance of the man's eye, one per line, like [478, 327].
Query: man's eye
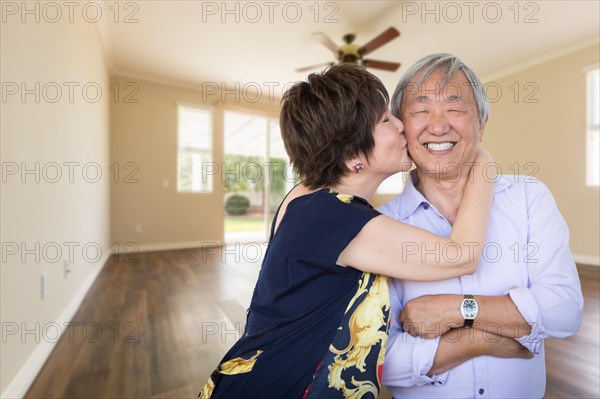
[385, 120]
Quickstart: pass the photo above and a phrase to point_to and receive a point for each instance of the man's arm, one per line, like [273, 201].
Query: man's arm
[408, 359]
[432, 315]
[415, 361]
[461, 344]
[553, 301]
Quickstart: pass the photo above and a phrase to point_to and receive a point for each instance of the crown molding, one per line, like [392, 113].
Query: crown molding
[549, 56]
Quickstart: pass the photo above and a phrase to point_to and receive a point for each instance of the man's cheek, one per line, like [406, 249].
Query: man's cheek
[411, 134]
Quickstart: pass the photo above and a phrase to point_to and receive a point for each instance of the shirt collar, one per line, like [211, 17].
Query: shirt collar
[411, 198]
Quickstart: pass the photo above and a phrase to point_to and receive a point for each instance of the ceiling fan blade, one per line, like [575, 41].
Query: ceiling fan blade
[383, 38]
[385, 65]
[308, 68]
[327, 42]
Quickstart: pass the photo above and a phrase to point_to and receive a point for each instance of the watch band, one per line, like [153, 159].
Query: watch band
[469, 322]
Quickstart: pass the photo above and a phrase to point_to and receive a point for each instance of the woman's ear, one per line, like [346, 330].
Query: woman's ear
[355, 165]
[349, 164]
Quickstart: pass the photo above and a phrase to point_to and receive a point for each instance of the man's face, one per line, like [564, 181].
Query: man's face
[442, 125]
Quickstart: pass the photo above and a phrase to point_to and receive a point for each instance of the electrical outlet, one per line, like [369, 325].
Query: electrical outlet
[165, 183]
[44, 281]
[139, 228]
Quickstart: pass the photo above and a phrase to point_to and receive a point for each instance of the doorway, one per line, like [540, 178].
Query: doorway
[257, 175]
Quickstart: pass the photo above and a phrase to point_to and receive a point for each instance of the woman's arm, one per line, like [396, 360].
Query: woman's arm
[386, 246]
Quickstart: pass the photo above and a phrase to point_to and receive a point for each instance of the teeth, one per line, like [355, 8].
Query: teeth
[439, 146]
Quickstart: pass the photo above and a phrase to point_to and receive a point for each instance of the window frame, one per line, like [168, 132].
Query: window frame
[210, 180]
[592, 136]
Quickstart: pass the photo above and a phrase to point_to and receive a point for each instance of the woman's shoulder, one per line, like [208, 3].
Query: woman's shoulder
[326, 207]
[323, 206]
[323, 198]
[297, 192]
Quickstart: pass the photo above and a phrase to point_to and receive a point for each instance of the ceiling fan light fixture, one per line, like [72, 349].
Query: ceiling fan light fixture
[350, 52]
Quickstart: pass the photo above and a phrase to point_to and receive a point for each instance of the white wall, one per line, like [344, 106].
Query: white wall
[38, 214]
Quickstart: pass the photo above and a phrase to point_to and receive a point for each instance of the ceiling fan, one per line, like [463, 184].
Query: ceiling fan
[351, 52]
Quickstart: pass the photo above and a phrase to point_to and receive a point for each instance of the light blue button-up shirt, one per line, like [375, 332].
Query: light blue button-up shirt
[526, 256]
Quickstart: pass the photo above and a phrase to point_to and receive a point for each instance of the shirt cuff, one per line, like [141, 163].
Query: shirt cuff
[530, 310]
[423, 356]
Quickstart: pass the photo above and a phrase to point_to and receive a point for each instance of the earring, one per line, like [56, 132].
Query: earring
[358, 167]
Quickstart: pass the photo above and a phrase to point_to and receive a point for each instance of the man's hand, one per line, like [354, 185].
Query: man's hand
[429, 316]
[461, 344]
[500, 346]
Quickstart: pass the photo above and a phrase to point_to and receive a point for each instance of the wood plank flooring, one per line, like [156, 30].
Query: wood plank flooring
[573, 363]
[156, 328]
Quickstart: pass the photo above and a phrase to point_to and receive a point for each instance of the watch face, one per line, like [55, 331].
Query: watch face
[469, 308]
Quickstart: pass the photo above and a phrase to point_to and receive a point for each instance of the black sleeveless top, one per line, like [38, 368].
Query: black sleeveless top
[314, 329]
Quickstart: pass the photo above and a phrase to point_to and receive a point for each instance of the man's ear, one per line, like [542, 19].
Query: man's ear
[482, 128]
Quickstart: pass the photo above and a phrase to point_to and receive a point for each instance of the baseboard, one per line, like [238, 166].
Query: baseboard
[25, 377]
[168, 246]
[584, 259]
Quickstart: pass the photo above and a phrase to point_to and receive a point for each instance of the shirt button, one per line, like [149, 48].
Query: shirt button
[481, 391]
[425, 206]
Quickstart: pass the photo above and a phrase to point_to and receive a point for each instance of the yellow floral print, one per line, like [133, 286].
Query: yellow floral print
[238, 365]
[366, 332]
[342, 197]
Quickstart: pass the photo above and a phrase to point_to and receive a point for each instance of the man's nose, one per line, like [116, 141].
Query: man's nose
[438, 124]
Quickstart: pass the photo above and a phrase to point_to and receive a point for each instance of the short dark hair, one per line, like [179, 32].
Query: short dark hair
[330, 119]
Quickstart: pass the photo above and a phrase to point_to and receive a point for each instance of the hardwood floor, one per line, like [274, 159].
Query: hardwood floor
[156, 328]
[573, 363]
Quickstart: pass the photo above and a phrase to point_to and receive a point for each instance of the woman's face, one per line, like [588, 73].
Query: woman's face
[390, 154]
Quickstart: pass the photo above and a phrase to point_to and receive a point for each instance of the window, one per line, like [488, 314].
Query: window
[257, 168]
[194, 149]
[593, 128]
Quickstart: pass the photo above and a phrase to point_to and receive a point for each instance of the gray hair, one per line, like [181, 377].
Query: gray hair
[447, 64]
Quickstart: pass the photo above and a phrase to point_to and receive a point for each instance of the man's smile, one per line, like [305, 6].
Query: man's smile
[440, 147]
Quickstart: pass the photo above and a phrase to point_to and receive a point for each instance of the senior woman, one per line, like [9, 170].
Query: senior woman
[318, 320]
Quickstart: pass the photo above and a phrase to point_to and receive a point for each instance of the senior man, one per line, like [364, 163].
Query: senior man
[476, 336]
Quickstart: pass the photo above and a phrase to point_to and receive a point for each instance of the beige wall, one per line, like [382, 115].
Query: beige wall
[41, 216]
[145, 133]
[551, 135]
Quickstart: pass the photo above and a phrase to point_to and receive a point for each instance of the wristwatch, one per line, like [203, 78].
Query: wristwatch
[468, 310]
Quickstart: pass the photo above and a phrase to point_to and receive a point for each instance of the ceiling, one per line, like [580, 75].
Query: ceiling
[258, 45]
